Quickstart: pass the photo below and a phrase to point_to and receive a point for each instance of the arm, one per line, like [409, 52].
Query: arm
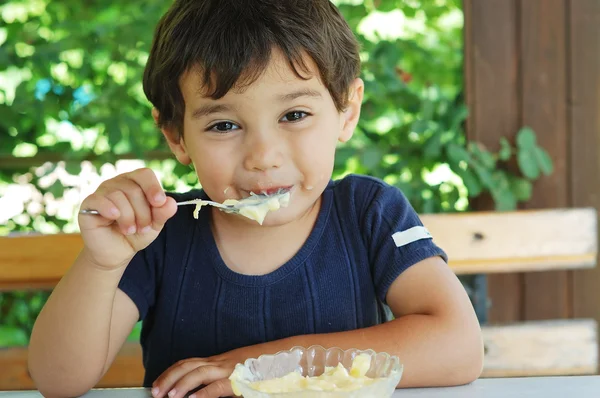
[80, 330]
[435, 334]
[87, 318]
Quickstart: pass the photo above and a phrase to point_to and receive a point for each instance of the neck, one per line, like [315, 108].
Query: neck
[254, 249]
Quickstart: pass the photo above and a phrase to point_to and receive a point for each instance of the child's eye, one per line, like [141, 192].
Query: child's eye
[223, 127]
[294, 116]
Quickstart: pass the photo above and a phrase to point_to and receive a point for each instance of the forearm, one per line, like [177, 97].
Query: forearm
[70, 339]
[434, 351]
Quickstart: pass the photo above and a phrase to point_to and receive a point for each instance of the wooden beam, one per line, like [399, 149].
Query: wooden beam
[36, 261]
[9, 162]
[126, 371]
[480, 242]
[518, 241]
[541, 348]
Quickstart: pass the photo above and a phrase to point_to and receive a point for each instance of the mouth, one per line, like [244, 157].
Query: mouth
[270, 191]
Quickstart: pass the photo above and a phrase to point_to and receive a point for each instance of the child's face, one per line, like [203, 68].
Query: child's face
[279, 132]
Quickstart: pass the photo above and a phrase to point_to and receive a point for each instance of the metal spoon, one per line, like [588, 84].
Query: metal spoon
[233, 208]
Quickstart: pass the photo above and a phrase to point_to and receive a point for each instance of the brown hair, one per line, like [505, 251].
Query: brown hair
[230, 42]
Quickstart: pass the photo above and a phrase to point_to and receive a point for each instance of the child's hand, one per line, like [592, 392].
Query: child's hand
[133, 209]
[212, 373]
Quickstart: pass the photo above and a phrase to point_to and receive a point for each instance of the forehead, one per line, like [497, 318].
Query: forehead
[277, 75]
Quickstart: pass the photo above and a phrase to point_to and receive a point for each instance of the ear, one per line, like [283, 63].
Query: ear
[351, 114]
[174, 140]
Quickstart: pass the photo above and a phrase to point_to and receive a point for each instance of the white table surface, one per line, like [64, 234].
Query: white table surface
[531, 387]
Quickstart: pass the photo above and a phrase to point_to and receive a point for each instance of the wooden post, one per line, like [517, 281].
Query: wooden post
[537, 63]
[583, 99]
[493, 96]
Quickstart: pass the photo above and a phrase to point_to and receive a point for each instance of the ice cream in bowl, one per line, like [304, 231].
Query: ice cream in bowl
[318, 372]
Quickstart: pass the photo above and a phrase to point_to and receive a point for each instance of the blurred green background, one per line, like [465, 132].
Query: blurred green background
[72, 113]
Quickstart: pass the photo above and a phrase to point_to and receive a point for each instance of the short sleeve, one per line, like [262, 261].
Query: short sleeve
[395, 236]
[139, 279]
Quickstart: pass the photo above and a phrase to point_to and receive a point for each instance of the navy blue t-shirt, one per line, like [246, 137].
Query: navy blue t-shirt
[193, 305]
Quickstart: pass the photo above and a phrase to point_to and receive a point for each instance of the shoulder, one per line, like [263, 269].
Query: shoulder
[380, 210]
[366, 195]
[357, 183]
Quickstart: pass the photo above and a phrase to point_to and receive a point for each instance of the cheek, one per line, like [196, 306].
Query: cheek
[315, 160]
[214, 164]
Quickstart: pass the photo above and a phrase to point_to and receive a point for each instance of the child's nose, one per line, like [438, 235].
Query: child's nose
[263, 152]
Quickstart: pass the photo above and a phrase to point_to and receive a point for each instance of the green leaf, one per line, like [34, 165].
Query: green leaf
[354, 14]
[501, 191]
[481, 154]
[433, 146]
[543, 160]
[487, 159]
[37, 301]
[458, 154]
[11, 336]
[528, 164]
[504, 200]
[428, 107]
[485, 176]
[420, 126]
[521, 188]
[114, 132]
[526, 139]
[501, 180]
[56, 189]
[505, 149]
[385, 5]
[409, 11]
[73, 168]
[459, 116]
[371, 157]
[470, 180]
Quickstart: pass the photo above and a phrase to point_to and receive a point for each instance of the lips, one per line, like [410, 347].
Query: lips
[271, 190]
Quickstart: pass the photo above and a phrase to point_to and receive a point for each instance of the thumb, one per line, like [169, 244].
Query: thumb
[161, 214]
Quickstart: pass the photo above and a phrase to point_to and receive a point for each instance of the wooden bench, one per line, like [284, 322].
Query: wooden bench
[477, 243]
[526, 241]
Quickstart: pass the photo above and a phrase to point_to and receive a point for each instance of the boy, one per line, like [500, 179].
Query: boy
[255, 95]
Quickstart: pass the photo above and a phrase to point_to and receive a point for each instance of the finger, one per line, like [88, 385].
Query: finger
[137, 199]
[147, 180]
[160, 215]
[126, 220]
[107, 209]
[219, 388]
[202, 375]
[165, 382]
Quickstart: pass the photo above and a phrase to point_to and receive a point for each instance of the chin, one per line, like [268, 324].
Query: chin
[276, 219]
[290, 214]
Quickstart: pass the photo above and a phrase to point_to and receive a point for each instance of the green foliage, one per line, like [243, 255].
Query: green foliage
[412, 129]
[70, 89]
[19, 311]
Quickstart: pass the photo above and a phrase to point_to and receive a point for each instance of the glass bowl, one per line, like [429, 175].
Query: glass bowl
[312, 361]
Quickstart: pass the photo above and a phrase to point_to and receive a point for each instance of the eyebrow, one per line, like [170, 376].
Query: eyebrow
[209, 109]
[300, 93]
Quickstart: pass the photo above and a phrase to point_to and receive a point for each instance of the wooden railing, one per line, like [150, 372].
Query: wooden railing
[477, 243]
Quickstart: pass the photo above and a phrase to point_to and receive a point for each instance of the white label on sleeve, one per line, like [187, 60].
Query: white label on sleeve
[402, 238]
